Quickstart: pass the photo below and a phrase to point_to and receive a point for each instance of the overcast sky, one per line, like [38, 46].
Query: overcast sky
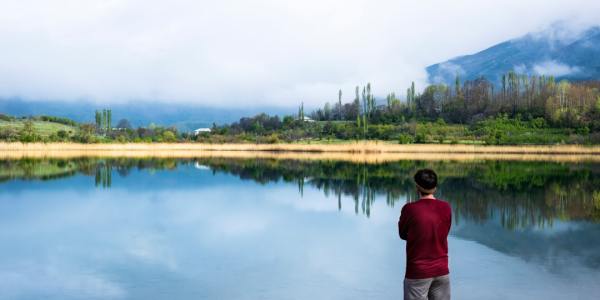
[249, 52]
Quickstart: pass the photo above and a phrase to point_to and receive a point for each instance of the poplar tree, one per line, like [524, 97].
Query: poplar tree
[340, 104]
[357, 102]
[109, 120]
[98, 120]
[364, 115]
[104, 120]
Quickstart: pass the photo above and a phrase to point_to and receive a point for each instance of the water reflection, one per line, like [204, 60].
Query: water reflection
[517, 194]
[192, 222]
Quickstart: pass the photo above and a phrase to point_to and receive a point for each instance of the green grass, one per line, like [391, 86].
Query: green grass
[42, 128]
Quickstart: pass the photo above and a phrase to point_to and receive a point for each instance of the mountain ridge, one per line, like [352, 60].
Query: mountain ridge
[184, 116]
[551, 53]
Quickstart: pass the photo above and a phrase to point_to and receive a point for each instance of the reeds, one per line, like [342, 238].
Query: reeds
[371, 152]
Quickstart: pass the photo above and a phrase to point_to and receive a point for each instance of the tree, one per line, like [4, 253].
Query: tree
[109, 120]
[364, 114]
[98, 119]
[327, 111]
[124, 124]
[169, 136]
[86, 133]
[340, 105]
[356, 104]
[410, 97]
[104, 120]
[28, 133]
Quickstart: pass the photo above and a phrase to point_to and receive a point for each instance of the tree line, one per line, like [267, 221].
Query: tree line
[561, 104]
[520, 109]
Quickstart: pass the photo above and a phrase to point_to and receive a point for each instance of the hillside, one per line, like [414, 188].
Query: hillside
[573, 57]
[43, 128]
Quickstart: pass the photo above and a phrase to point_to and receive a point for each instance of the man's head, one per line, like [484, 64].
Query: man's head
[426, 181]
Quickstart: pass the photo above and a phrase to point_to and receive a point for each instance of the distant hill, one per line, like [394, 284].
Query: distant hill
[551, 52]
[185, 117]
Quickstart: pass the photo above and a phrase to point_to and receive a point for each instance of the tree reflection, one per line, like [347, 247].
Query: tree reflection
[517, 194]
[514, 194]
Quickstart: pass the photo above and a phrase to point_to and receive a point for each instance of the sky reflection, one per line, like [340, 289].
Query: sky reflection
[189, 233]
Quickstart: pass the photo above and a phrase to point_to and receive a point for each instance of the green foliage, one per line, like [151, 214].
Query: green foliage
[9, 134]
[523, 110]
[86, 134]
[59, 120]
[169, 136]
[5, 118]
[584, 130]
[28, 133]
[405, 139]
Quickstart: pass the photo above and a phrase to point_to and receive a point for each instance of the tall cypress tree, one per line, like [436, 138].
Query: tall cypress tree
[340, 104]
[357, 102]
[104, 120]
[109, 120]
[98, 120]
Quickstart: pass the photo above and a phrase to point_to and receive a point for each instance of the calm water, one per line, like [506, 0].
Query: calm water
[269, 229]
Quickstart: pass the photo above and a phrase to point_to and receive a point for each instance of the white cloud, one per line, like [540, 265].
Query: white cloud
[447, 70]
[237, 52]
[30, 280]
[554, 68]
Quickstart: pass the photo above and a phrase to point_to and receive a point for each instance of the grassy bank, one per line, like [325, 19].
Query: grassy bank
[45, 129]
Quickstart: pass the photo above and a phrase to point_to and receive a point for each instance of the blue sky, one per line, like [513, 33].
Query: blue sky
[233, 53]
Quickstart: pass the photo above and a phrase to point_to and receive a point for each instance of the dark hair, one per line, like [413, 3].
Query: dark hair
[426, 178]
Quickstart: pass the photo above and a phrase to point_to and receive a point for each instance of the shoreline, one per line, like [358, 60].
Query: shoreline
[369, 152]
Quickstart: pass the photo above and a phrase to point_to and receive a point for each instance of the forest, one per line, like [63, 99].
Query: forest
[521, 109]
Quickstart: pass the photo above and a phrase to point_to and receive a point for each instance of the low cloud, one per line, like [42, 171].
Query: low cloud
[554, 68]
[248, 53]
[447, 70]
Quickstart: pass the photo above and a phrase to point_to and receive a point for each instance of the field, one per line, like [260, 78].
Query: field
[42, 128]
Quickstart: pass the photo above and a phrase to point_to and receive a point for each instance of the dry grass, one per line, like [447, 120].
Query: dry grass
[371, 152]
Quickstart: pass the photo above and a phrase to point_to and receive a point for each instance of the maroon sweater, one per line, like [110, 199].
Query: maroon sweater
[424, 225]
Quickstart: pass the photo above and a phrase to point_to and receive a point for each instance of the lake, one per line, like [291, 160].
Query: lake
[222, 228]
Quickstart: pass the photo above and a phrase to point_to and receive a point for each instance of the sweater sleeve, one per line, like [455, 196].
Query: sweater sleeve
[403, 224]
[450, 218]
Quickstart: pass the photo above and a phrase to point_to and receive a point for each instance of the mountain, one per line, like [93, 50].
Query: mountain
[185, 117]
[553, 52]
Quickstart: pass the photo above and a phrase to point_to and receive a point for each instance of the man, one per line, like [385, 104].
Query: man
[424, 225]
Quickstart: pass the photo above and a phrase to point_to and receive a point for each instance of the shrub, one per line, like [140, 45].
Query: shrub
[6, 118]
[59, 120]
[9, 134]
[28, 133]
[405, 139]
[169, 136]
[62, 134]
[270, 139]
[583, 130]
[420, 138]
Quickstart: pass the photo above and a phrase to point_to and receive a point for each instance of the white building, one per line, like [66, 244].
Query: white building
[307, 119]
[201, 130]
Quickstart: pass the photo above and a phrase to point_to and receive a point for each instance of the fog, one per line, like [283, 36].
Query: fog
[240, 53]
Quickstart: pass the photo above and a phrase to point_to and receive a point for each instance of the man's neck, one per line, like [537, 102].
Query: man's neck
[430, 196]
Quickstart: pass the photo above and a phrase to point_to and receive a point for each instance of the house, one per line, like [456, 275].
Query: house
[307, 119]
[201, 130]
